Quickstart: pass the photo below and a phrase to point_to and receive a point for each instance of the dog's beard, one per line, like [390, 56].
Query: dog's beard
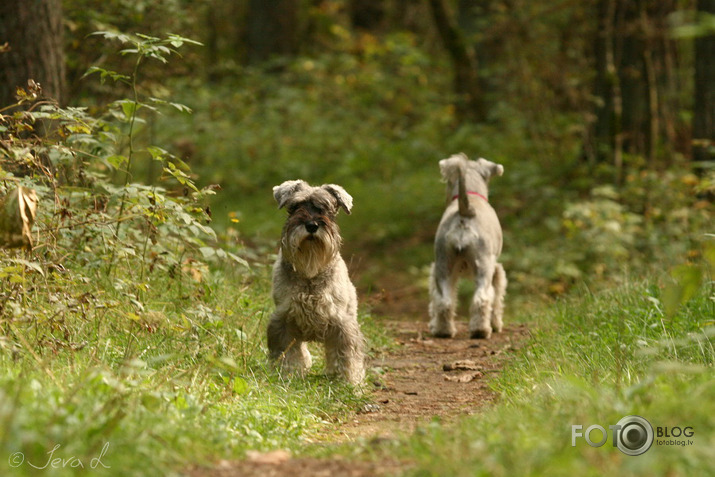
[309, 254]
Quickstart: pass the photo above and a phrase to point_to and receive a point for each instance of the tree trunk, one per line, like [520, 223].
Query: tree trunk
[608, 137]
[367, 14]
[703, 114]
[33, 32]
[211, 42]
[272, 29]
[629, 53]
[651, 84]
[469, 104]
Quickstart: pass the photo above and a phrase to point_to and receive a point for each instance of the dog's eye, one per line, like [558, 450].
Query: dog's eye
[294, 207]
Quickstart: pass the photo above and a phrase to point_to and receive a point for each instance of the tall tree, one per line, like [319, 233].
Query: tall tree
[273, 29]
[636, 109]
[607, 137]
[366, 14]
[470, 104]
[32, 31]
[704, 108]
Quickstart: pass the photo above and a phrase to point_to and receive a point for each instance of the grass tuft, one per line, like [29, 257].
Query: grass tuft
[593, 360]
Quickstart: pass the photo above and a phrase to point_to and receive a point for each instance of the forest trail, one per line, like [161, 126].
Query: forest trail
[419, 379]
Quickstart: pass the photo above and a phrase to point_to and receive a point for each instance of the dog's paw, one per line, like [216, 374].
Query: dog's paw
[443, 334]
[442, 331]
[480, 334]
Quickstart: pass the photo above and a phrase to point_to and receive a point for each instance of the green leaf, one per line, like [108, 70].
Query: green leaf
[240, 386]
[151, 401]
[117, 161]
[177, 40]
[709, 254]
[31, 265]
[238, 259]
[110, 35]
[689, 277]
[687, 281]
[207, 252]
[103, 74]
[178, 106]
[129, 108]
[157, 153]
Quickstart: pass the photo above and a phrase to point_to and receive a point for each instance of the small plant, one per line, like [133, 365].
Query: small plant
[603, 228]
[83, 166]
[95, 228]
[123, 335]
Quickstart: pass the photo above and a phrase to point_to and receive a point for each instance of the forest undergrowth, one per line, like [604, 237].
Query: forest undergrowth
[132, 317]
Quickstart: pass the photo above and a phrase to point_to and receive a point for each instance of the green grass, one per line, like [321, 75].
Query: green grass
[184, 379]
[170, 371]
[592, 360]
[180, 380]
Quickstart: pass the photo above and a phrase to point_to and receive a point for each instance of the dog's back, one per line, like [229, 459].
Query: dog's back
[468, 241]
[465, 238]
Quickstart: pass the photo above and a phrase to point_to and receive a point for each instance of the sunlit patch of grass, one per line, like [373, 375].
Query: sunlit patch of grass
[592, 360]
[181, 381]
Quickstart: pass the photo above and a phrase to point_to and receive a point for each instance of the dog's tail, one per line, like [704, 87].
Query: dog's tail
[465, 208]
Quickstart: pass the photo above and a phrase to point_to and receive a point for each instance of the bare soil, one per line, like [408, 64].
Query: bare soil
[422, 378]
[426, 377]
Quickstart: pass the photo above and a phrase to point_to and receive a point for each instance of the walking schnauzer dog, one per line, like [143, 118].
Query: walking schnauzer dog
[314, 297]
[468, 242]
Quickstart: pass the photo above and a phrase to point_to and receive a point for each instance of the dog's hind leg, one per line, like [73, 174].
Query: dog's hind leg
[286, 349]
[499, 283]
[443, 292]
[480, 311]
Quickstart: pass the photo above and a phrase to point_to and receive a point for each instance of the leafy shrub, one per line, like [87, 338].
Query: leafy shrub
[604, 229]
[92, 213]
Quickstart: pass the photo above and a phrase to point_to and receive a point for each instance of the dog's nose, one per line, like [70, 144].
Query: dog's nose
[311, 226]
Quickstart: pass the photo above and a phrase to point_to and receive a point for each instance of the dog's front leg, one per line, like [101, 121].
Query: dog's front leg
[285, 348]
[345, 351]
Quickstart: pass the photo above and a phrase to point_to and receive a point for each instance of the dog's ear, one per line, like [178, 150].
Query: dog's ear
[489, 169]
[282, 193]
[344, 199]
[449, 168]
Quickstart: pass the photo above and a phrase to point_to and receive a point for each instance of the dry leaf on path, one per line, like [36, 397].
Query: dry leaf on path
[462, 365]
[269, 458]
[464, 377]
[17, 214]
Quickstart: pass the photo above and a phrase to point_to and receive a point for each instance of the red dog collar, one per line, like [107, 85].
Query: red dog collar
[473, 193]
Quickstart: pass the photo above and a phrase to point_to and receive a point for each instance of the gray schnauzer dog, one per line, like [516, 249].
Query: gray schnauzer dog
[314, 297]
[468, 242]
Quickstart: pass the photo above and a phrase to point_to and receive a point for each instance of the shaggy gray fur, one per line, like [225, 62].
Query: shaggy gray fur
[468, 242]
[314, 297]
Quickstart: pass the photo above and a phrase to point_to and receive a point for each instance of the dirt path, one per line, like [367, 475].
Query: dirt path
[427, 377]
[421, 379]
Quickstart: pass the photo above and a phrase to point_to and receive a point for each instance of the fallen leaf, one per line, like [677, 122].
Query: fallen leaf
[17, 214]
[464, 377]
[268, 458]
[462, 365]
